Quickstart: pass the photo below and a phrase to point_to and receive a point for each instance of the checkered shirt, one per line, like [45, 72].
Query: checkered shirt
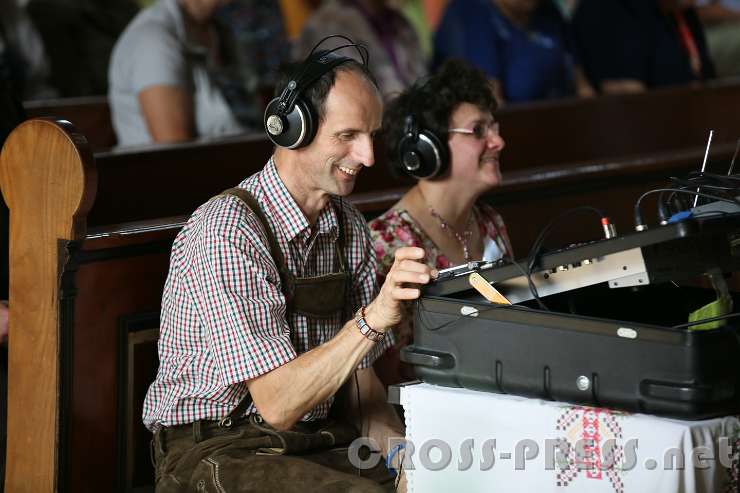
[223, 318]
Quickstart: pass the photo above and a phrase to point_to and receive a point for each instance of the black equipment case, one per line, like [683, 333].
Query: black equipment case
[596, 346]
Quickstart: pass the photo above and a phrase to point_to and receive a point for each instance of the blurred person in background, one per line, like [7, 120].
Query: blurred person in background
[632, 45]
[23, 61]
[524, 46]
[78, 37]
[185, 69]
[424, 16]
[567, 7]
[721, 19]
[396, 56]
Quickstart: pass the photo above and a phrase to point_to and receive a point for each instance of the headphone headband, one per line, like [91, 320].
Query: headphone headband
[311, 70]
[290, 120]
[314, 66]
[361, 49]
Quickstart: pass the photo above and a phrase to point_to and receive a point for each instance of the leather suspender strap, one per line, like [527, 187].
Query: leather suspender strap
[277, 256]
[275, 252]
[340, 235]
[238, 411]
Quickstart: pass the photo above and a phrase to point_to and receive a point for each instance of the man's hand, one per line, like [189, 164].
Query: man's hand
[401, 284]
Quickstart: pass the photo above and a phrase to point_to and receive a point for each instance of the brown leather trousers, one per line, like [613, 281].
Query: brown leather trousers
[250, 456]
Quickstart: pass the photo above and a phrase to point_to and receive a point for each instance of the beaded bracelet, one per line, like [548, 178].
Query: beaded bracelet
[365, 329]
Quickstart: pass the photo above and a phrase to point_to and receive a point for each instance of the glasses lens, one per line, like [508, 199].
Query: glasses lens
[479, 130]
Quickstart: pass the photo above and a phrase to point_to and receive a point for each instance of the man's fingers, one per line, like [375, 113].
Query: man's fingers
[402, 276]
[413, 266]
[411, 253]
[405, 293]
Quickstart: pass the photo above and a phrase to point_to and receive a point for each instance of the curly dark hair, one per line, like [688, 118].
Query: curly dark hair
[432, 101]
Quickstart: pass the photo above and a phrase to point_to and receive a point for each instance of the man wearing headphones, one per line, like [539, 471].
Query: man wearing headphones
[268, 310]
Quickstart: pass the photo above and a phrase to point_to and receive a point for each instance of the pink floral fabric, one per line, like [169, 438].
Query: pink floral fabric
[396, 228]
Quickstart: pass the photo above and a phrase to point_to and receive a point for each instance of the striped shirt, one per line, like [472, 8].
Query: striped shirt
[223, 317]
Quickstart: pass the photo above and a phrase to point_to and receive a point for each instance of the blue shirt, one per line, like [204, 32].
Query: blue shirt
[633, 39]
[530, 64]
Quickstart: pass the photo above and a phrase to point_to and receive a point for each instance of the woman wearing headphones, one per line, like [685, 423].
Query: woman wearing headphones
[442, 132]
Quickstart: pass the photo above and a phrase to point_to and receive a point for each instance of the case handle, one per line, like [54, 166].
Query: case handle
[418, 357]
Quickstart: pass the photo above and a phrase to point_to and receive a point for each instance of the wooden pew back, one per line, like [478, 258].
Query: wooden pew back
[613, 127]
[47, 176]
[539, 133]
[90, 115]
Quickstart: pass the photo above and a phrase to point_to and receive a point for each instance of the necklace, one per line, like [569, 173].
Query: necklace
[463, 238]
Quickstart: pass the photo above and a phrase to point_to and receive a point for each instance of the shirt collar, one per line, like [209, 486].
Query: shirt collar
[290, 217]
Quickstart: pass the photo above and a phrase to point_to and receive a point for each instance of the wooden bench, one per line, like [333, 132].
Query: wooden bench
[90, 114]
[614, 127]
[528, 199]
[90, 240]
[537, 134]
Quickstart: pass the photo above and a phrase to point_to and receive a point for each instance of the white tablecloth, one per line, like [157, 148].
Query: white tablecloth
[452, 432]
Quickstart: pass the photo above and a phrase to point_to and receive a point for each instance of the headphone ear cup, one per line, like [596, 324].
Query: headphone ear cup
[292, 130]
[423, 157]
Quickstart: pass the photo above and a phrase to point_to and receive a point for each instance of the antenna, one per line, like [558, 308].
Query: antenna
[704, 164]
[732, 163]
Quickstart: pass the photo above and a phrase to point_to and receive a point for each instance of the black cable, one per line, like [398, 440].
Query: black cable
[686, 184]
[699, 182]
[400, 467]
[706, 320]
[428, 326]
[664, 215]
[359, 411]
[532, 287]
[713, 176]
[534, 252]
[638, 213]
[683, 205]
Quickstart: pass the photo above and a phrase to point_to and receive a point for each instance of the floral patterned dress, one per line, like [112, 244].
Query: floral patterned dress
[395, 229]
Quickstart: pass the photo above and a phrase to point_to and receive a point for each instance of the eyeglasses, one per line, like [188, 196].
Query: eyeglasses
[480, 130]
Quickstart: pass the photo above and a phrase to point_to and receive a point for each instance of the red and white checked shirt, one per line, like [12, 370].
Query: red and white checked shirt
[223, 315]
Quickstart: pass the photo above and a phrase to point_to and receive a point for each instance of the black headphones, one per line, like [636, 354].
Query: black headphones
[421, 153]
[290, 120]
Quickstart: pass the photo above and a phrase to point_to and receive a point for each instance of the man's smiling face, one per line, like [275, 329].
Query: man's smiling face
[344, 141]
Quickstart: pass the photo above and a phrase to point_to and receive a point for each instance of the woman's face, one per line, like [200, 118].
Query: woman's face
[202, 10]
[475, 147]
